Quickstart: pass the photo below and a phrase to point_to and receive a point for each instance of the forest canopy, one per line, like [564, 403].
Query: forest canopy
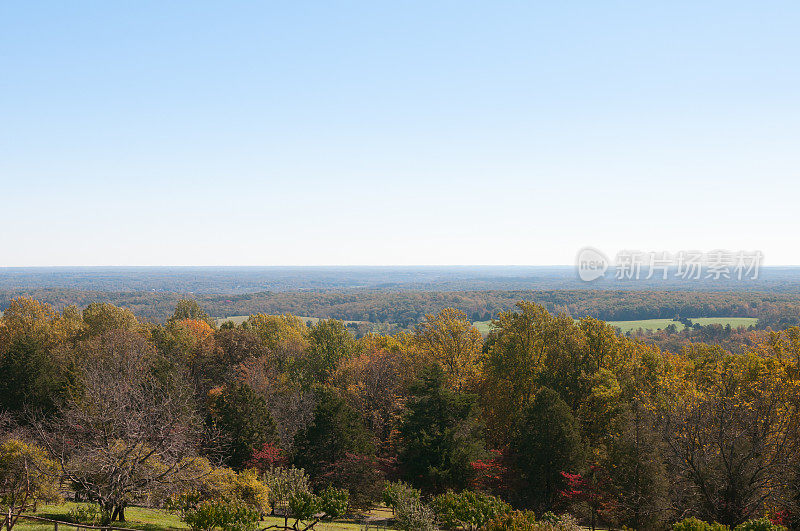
[546, 413]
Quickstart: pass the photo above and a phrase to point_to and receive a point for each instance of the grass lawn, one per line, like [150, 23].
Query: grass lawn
[138, 518]
[159, 520]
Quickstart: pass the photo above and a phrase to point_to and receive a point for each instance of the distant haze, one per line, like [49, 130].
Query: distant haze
[239, 280]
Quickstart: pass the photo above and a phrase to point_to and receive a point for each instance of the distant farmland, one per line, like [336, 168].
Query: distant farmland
[239, 319]
[661, 324]
[654, 324]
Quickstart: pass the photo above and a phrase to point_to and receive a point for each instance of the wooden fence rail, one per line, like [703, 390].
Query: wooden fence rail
[56, 523]
[377, 526]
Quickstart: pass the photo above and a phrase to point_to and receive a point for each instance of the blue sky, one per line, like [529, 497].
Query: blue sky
[292, 133]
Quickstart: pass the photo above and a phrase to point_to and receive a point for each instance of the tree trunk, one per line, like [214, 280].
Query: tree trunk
[119, 513]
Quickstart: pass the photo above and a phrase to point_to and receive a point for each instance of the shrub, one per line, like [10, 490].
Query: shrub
[303, 505]
[393, 492]
[226, 515]
[225, 485]
[413, 515]
[249, 490]
[512, 521]
[560, 522]
[283, 483]
[694, 524]
[331, 502]
[761, 524]
[467, 509]
[334, 502]
[525, 521]
[89, 514]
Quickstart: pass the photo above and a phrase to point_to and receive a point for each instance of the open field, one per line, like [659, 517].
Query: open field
[654, 324]
[483, 326]
[239, 319]
[735, 322]
[144, 519]
[646, 324]
[661, 324]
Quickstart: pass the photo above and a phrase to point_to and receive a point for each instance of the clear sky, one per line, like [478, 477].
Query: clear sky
[376, 132]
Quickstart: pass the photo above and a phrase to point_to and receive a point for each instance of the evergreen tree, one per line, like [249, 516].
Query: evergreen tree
[440, 435]
[546, 442]
[335, 431]
[244, 420]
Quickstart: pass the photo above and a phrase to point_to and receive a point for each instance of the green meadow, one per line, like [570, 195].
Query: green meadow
[239, 319]
[654, 324]
[143, 519]
[661, 324]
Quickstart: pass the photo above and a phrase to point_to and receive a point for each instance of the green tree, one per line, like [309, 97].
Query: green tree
[546, 442]
[335, 431]
[636, 465]
[330, 344]
[244, 420]
[190, 309]
[439, 435]
[467, 509]
[527, 349]
[31, 376]
[284, 483]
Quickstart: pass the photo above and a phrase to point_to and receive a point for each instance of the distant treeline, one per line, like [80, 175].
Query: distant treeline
[406, 308]
[238, 280]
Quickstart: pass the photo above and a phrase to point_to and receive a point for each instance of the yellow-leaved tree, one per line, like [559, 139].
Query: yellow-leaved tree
[27, 476]
[450, 339]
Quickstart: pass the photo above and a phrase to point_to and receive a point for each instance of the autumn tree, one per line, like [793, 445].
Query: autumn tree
[214, 359]
[27, 476]
[29, 318]
[285, 338]
[290, 404]
[449, 339]
[190, 309]
[125, 429]
[520, 351]
[34, 360]
[375, 383]
[730, 431]
[591, 489]
[101, 317]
